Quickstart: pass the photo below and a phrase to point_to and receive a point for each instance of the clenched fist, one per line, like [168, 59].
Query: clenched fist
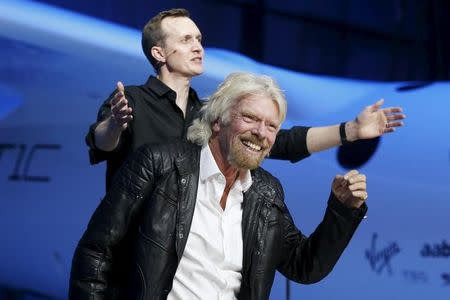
[350, 189]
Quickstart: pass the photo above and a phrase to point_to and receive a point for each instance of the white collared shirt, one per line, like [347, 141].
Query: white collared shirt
[211, 265]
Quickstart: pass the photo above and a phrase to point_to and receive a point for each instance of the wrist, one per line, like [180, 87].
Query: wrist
[112, 128]
[106, 136]
[351, 130]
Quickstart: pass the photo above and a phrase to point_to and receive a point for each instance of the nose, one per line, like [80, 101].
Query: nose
[197, 46]
[260, 129]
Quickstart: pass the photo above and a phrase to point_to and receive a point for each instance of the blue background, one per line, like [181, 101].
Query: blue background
[57, 67]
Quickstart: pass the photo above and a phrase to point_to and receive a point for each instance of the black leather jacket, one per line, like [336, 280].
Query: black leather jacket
[137, 235]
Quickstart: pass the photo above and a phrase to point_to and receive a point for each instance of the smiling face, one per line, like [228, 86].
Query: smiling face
[182, 52]
[250, 133]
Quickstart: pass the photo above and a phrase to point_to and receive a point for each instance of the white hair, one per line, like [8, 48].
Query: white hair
[235, 87]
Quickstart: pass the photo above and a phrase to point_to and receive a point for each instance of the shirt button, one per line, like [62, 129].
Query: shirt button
[183, 181]
[180, 235]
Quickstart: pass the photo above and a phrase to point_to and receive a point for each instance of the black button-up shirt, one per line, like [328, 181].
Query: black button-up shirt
[156, 119]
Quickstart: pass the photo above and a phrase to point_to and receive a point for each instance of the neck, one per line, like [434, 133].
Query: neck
[181, 86]
[228, 170]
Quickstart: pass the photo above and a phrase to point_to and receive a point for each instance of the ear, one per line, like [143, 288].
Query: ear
[216, 126]
[158, 54]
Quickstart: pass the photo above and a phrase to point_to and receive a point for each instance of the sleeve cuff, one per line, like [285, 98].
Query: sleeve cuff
[347, 212]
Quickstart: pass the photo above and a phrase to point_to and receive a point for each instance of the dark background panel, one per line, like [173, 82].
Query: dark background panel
[302, 45]
[388, 40]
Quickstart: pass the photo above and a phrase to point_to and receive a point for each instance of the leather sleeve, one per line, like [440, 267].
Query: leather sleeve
[92, 261]
[310, 259]
[290, 144]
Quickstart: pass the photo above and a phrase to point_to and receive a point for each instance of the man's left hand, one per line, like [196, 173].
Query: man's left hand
[373, 121]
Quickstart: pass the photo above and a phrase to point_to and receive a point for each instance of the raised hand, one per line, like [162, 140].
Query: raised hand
[121, 113]
[373, 121]
[350, 188]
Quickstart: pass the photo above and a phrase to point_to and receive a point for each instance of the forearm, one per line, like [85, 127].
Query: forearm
[323, 138]
[313, 258]
[107, 135]
[96, 252]
[87, 273]
[92, 262]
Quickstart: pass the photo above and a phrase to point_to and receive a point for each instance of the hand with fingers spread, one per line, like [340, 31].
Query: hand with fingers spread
[375, 121]
[350, 189]
[121, 113]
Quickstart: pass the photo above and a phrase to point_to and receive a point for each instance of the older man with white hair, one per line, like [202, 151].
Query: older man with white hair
[202, 220]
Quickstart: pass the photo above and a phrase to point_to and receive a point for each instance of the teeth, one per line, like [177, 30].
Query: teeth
[251, 145]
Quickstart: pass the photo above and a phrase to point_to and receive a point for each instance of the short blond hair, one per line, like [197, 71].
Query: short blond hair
[153, 35]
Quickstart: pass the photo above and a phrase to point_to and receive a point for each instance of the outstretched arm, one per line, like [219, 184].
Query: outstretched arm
[299, 142]
[373, 121]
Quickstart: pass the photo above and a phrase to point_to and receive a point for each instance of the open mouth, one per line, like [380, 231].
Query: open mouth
[251, 146]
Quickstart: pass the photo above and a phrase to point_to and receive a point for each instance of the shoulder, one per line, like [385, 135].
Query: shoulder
[261, 175]
[267, 183]
[169, 148]
[135, 93]
[154, 160]
[168, 153]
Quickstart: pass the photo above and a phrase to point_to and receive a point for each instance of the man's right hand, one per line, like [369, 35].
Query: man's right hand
[107, 133]
[350, 189]
[121, 113]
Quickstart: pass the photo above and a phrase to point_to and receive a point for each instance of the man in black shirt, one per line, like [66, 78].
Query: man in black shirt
[156, 118]
[163, 108]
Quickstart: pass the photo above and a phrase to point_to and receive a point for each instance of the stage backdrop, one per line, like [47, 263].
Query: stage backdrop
[58, 67]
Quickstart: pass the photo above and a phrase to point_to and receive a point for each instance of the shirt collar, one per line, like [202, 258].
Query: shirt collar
[158, 87]
[209, 168]
[161, 89]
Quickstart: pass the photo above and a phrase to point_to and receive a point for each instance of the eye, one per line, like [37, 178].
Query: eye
[272, 127]
[248, 118]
